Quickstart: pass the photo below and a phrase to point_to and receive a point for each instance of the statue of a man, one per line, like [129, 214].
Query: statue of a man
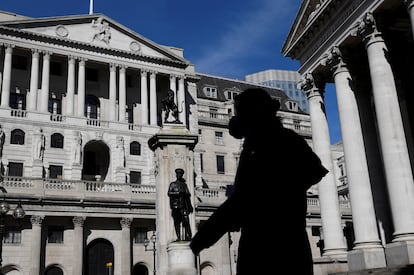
[180, 204]
[39, 143]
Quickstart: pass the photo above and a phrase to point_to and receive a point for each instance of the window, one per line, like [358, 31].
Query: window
[17, 137]
[210, 92]
[220, 164]
[92, 107]
[213, 112]
[55, 172]
[200, 135]
[12, 234]
[219, 138]
[201, 162]
[56, 68]
[55, 234]
[135, 177]
[92, 74]
[56, 141]
[55, 106]
[15, 169]
[135, 148]
[140, 235]
[19, 62]
[18, 101]
[231, 94]
[292, 106]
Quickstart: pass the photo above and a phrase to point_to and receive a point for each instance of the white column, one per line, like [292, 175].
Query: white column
[112, 92]
[77, 243]
[5, 92]
[44, 95]
[393, 144]
[153, 98]
[34, 81]
[126, 245]
[71, 85]
[410, 5]
[122, 93]
[81, 88]
[144, 97]
[328, 196]
[36, 244]
[181, 100]
[173, 83]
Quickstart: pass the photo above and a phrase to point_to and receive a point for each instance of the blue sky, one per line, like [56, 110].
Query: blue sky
[228, 38]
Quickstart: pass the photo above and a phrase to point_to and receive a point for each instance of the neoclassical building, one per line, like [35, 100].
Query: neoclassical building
[81, 97]
[364, 47]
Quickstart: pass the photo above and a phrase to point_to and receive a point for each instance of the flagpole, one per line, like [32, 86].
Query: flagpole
[90, 6]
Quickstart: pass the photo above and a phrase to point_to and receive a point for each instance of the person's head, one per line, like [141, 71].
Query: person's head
[179, 172]
[254, 110]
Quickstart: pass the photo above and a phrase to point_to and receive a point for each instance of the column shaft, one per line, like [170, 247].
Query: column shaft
[122, 93]
[44, 95]
[144, 97]
[34, 81]
[181, 101]
[70, 86]
[81, 88]
[5, 92]
[36, 249]
[410, 5]
[112, 92]
[126, 246]
[153, 99]
[77, 267]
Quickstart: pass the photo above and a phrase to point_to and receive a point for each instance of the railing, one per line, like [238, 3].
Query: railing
[56, 117]
[18, 113]
[213, 117]
[304, 129]
[97, 122]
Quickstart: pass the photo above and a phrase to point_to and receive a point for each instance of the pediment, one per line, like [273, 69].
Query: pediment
[96, 30]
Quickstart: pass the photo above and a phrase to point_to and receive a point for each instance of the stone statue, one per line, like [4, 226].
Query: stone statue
[121, 150]
[180, 205]
[39, 143]
[169, 106]
[77, 149]
[2, 139]
[103, 31]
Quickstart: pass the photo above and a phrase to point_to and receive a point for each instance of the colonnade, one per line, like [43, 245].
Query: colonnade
[38, 100]
[394, 152]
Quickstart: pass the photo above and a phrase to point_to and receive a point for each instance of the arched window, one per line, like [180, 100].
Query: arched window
[56, 141]
[135, 148]
[53, 270]
[17, 137]
[92, 107]
[140, 269]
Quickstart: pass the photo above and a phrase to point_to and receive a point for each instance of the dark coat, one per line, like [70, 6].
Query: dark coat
[268, 205]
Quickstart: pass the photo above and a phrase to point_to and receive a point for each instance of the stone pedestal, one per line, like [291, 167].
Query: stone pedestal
[181, 260]
[37, 169]
[366, 258]
[400, 253]
[76, 172]
[173, 148]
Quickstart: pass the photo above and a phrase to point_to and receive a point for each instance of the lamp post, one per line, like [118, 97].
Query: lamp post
[153, 240]
[18, 213]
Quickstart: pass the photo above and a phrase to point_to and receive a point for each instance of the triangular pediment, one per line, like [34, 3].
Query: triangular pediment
[97, 30]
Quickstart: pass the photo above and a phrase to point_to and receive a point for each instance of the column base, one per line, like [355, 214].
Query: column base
[400, 253]
[366, 258]
[181, 260]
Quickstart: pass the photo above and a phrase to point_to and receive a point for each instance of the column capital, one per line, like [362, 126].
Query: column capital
[152, 72]
[123, 67]
[366, 28]
[409, 4]
[82, 60]
[78, 221]
[71, 58]
[36, 220]
[9, 48]
[333, 59]
[308, 84]
[112, 67]
[144, 72]
[46, 54]
[125, 222]
[35, 52]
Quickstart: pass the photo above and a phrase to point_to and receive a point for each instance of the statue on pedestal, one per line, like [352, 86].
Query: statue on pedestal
[169, 106]
[180, 205]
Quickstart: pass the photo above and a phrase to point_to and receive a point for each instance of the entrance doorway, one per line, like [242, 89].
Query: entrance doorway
[100, 258]
[95, 161]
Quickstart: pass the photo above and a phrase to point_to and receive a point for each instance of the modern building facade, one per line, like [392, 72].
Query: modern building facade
[284, 80]
[81, 96]
[365, 48]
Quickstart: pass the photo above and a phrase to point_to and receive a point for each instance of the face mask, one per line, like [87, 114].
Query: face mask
[236, 128]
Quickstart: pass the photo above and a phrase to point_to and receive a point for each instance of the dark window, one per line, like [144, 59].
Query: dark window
[140, 234]
[92, 106]
[54, 270]
[19, 62]
[15, 169]
[135, 177]
[55, 172]
[135, 148]
[56, 141]
[17, 137]
[17, 101]
[220, 164]
[55, 106]
[92, 74]
[55, 234]
[201, 162]
[56, 68]
[12, 234]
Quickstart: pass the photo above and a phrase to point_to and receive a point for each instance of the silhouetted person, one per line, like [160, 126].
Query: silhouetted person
[268, 202]
[180, 204]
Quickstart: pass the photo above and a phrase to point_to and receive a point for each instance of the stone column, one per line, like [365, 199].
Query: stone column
[34, 82]
[153, 99]
[122, 93]
[144, 97]
[112, 92]
[81, 88]
[126, 246]
[181, 100]
[328, 197]
[36, 249]
[5, 92]
[367, 243]
[77, 266]
[71, 85]
[44, 94]
[173, 83]
[410, 5]
[393, 144]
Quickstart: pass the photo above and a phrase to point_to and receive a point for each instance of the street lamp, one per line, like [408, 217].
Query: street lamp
[153, 240]
[18, 213]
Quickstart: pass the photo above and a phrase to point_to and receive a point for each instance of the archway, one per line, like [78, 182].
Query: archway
[99, 258]
[54, 270]
[140, 269]
[95, 161]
